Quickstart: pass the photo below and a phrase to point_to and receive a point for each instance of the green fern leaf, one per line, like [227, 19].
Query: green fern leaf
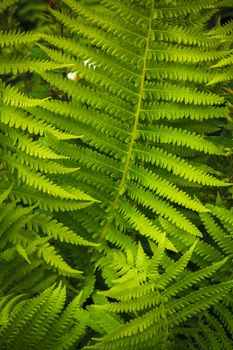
[14, 38]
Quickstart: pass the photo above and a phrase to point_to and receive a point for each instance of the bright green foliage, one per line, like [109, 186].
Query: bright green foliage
[157, 292]
[157, 302]
[224, 66]
[107, 169]
[27, 238]
[25, 156]
[115, 102]
[41, 322]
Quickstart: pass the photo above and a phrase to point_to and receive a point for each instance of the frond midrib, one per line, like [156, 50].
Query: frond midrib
[121, 187]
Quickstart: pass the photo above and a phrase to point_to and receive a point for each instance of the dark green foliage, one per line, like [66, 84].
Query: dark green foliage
[114, 125]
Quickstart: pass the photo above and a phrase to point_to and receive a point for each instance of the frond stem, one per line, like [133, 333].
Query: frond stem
[121, 187]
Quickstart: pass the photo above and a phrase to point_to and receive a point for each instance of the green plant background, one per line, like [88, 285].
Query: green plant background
[116, 233]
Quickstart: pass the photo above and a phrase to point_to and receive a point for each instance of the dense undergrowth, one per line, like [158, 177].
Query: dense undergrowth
[115, 175]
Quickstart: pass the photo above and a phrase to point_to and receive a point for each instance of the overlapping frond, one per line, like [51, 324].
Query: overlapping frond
[16, 66]
[112, 155]
[147, 294]
[15, 38]
[167, 10]
[25, 325]
[224, 65]
[136, 68]
[28, 235]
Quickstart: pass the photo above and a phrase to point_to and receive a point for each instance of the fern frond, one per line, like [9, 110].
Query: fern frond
[100, 121]
[193, 278]
[177, 54]
[100, 39]
[141, 223]
[160, 207]
[206, 253]
[225, 242]
[180, 35]
[168, 92]
[115, 116]
[4, 195]
[133, 13]
[173, 111]
[169, 161]
[50, 256]
[67, 329]
[31, 196]
[35, 180]
[13, 218]
[222, 30]
[222, 76]
[13, 97]
[135, 130]
[225, 3]
[95, 77]
[16, 66]
[56, 230]
[225, 316]
[109, 23]
[135, 332]
[157, 307]
[216, 327]
[41, 321]
[222, 213]
[179, 137]
[24, 120]
[96, 99]
[166, 10]
[164, 188]
[224, 62]
[26, 144]
[15, 38]
[179, 73]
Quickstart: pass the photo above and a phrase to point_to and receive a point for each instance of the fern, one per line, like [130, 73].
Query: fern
[19, 332]
[21, 237]
[19, 66]
[147, 295]
[126, 146]
[104, 175]
[14, 38]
